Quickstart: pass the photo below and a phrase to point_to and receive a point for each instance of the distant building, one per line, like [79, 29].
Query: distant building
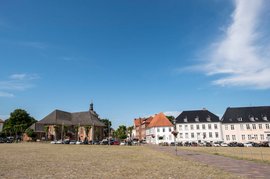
[140, 125]
[159, 130]
[198, 126]
[78, 125]
[1, 125]
[246, 124]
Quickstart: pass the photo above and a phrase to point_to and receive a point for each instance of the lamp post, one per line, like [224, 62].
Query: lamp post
[174, 132]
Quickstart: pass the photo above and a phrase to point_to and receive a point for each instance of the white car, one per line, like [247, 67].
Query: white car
[78, 142]
[122, 143]
[53, 142]
[72, 142]
[59, 142]
[248, 144]
[224, 145]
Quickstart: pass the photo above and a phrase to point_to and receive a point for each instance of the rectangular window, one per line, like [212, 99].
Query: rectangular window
[227, 137]
[241, 126]
[186, 127]
[267, 126]
[255, 136]
[226, 127]
[186, 135]
[216, 134]
[163, 129]
[180, 127]
[233, 137]
[232, 127]
[197, 126]
[209, 126]
[262, 136]
[192, 135]
[260, 126]
[181, 135]
[191, 127]
[215, 126]
[203, 126]
[247, 125]
[254, 126]
[210, 135]
[170, 129]
[249, 137]
[204, 135]
[243, 137]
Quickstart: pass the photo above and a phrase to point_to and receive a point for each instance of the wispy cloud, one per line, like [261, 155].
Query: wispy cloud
[38, 45]
[17, 82]
[240, 55]
[6, 94]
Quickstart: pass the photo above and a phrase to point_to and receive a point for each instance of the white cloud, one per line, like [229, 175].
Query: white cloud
[241, 56]
[17, 82]
[5, 94]
[23, 76]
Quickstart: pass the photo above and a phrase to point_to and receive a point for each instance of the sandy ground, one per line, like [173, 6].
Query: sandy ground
[37, 160]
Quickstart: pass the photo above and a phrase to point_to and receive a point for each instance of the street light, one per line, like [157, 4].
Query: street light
[174, 132]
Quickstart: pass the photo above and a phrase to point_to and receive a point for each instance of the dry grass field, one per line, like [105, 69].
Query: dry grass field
[260, 154]
[37, 160]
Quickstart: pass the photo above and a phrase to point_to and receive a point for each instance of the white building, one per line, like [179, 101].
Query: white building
[159, 130]
[198, 126]
[246, 124]
[1, 125]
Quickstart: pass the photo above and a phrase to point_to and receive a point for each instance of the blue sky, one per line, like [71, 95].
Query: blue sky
[133, 58]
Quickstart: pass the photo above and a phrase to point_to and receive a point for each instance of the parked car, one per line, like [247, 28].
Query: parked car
[53, 142]
[72, 142]
[79, 142]
[59, 142]
[122, 143]
[179, 143]
[172, 144]
[116, 142]
[2, 140]
[216, 144]
[66, 141]
[223, 144]
[240, 145]
[248, 144]
[254, 144]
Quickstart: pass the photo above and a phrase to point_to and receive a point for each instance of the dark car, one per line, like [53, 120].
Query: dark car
[172, 144]
[240, 145]
[3, 140]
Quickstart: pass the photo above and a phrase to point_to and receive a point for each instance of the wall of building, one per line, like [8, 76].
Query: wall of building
[246, 132]
[153, 135]
[199, 132]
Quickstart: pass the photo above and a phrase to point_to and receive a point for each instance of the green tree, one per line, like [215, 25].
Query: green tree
[30, 133]
[171, 119]
[129, 130]
[108, 125]
[121, 132]
[18, 122]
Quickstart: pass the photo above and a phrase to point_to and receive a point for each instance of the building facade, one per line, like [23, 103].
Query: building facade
[198, 126]
[159, 130]
[140, 126]
[246, 124]
[1, 125]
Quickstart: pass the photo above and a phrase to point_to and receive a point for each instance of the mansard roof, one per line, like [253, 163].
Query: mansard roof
[197, 116]
[59, 117]
[246, 114]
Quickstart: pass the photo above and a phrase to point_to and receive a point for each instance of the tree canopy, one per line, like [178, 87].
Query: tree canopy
[107, 123]
[121, 132]
[18, 122]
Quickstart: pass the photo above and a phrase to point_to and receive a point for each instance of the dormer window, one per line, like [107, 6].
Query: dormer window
[251, 118]
[265, 118]
[197, 119]
[239, 119]
[185, 119]
[208, 118]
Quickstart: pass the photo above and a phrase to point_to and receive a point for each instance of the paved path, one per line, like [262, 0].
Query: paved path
[244, 168]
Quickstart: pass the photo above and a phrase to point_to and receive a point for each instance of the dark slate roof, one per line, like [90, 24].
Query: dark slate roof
[78, 118]
[246, 114]
[37, 127]
[201, 115]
